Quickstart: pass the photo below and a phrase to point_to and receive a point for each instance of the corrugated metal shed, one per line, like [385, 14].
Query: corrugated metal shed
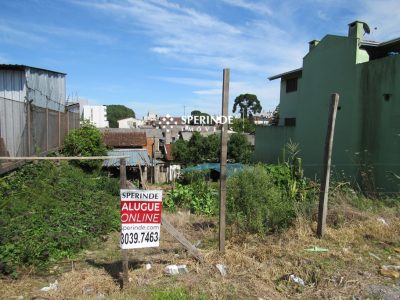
[45, 88]
[135, 157]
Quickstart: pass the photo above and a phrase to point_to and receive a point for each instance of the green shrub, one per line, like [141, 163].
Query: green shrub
[265, 198]
[85, 141]
[51, 211]
[198, 197]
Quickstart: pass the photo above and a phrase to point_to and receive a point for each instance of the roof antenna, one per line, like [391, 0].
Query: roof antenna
[366, 28]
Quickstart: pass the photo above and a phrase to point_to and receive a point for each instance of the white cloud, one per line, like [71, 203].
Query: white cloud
[25, 34]
[255, 7]
[197, 38]
[10, 34]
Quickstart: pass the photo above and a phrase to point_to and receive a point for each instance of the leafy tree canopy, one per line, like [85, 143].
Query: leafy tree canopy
[239, 148]
[243, 125]
[118, 112]
[248, 105]
[201, 149]
[85, 141]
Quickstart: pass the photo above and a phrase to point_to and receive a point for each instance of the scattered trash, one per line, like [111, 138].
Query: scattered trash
[88, 290]
[296, 279]
[130, 279]
[374, 255]
[221, 268]
[147, 266]
[51, 287]
[390, 271]
[316, 249]
[176, 269]
[382, 220]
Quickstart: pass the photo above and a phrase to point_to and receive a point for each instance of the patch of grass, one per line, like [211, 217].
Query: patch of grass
[170, 294]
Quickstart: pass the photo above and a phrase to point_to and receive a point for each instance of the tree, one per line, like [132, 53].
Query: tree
[198, 149]
[239, 148]
[248, 105]
[180, 151]
[243, 125]
[275, 117]
[201, 149]
[118, 112]
[85, 141]
[198, 113]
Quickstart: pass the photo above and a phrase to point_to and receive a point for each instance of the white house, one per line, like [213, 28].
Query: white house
[96, 115]
[130, 123]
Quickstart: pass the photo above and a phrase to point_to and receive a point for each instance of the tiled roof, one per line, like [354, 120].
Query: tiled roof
[124, 138]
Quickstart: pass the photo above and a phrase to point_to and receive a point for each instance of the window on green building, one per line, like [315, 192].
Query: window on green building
[291, 122]
[291, 85]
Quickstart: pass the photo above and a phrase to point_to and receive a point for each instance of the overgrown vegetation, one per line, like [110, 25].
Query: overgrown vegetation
[266, 198]
[49, 211]
[198, 197]
[85, 141]
[262, 199]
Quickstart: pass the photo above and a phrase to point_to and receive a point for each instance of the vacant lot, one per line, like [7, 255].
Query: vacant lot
[359, 243]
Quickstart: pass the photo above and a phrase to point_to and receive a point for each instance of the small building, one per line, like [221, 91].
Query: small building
[366, 145]
[130, 123]
[96, 115]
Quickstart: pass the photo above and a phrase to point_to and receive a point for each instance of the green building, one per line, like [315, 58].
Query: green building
[366, 149]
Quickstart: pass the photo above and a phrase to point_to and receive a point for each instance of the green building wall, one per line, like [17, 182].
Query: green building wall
[367, 132]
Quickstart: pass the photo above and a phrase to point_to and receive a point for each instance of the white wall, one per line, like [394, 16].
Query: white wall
[130, 123]
[96, 114]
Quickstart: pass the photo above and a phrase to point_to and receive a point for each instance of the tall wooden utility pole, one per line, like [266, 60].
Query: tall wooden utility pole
[125, 262]
[224, 150]
[323, 196]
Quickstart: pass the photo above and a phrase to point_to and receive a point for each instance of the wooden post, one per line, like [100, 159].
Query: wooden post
[67, 114]
[323, 196]
[224, 150]
[125, 262]
[47, 129]
[59, 129]
[28, 127]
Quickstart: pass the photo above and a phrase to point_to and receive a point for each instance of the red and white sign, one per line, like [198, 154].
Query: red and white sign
[140, 218]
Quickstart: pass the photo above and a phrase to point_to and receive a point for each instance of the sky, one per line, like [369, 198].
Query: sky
[168, 56]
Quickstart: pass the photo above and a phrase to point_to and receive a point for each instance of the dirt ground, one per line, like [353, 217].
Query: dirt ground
[358, 244]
